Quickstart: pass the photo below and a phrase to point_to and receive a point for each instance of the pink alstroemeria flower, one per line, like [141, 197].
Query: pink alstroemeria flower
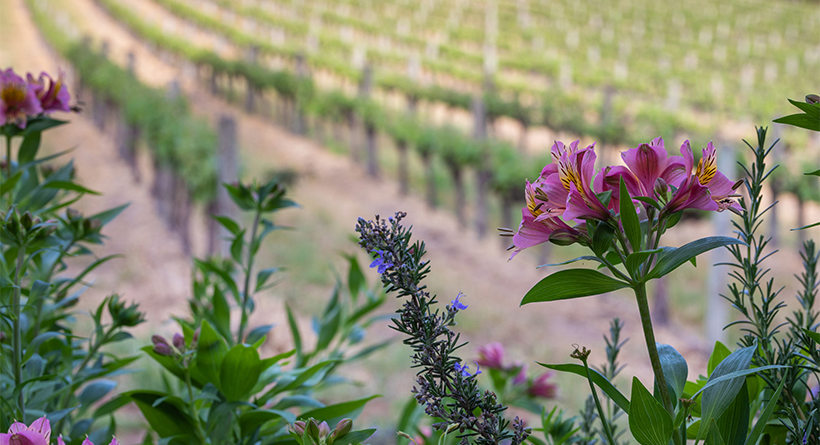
[38, 433]
[17, 99]
[491, 355]
[706, 189]
[53, 96]
[576, 172]
[541, 387]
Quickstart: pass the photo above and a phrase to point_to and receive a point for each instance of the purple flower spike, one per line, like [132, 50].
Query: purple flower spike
[457, 304]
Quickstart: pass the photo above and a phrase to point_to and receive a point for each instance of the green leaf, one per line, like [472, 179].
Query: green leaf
[812, 110]
[672, 258]
[717, 398]
[629, 218]
[675, 369]
[635, 259]
[757, 431]
[252, 420]
[719, 353]
[95, 391]
[597, 378]
[713, 437]
[800, 120]
[602, 239]
[572, 283]
[67, 185]
[167, 417]
[733, 424]
[210, 351]
[355, 437]
[649, 422]
[239, 372]
[10, 183]
[355, 277]
[580, 258]
[333, 413]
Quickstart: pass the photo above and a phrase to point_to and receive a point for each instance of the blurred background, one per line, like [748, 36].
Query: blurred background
[440, 108]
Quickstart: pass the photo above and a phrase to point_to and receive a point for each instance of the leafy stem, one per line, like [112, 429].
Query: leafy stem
[649, 336]
[18, 334]
[251, 253]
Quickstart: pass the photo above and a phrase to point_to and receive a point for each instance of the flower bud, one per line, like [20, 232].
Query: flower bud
[298, 428]
[343, 427]
[661, 187]
[159, 340]
[179, 341]
[164, 350]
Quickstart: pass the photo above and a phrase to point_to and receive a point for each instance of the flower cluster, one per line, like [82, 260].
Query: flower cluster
[568, 192]
[492, 357]
[21, 98]
[38, 433]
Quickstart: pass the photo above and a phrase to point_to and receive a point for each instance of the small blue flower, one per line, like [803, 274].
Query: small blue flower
[457, 304]
[380, 262]
[465, 369]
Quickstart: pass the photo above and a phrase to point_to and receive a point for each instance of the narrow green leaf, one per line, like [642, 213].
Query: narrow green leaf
[239, 372]
[757, 431]
[800, 120]
[672, 258]
[629, 218]
[572, 283]
[597, 378]
[649, 422]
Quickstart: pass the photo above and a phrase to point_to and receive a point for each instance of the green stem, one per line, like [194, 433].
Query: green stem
[17, 335]
[192, 407]
[649, 336]
[244, 319]
[601, 415]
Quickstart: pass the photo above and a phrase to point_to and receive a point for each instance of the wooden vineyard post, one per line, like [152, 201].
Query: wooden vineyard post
[302, 74]
[483, 173]
[250, 90]
[99, 107]
[227, 171]
[129, 133]
[716, 315]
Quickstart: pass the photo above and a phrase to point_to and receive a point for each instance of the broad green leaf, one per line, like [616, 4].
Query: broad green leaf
[717, 398]
[812, 110]
[96, 390]
[211, 349]
[713, 437]
[733, 424]
[719, 353]
[167, 417]
[334, 413]
[675, 369]
[672, 258]
[800, 120]
[572, 283]
[629, 218]
[597, 378]
[649, 422]
[252, 420]
[239, 372]
[355, 437]
[765, 415]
